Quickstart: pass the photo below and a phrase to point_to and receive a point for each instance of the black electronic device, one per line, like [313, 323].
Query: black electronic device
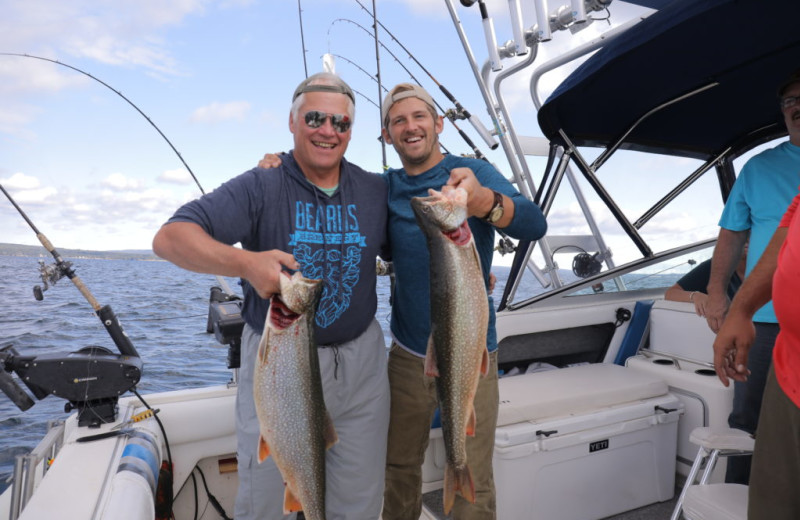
[226, 322]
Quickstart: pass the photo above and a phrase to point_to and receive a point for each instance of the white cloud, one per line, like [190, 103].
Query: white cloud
[37, 196]
[20, 181]
[218, 112]
[177, 176]
[118, 181]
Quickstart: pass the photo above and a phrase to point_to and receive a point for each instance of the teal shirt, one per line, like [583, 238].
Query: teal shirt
[760, 196]
[410, 324]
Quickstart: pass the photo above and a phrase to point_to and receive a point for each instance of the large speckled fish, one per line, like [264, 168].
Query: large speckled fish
[457, 354]
[295, 426]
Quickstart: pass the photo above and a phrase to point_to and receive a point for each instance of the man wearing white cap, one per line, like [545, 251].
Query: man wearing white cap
[412, 126]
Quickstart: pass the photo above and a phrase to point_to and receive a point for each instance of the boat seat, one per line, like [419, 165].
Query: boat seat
[703, 501]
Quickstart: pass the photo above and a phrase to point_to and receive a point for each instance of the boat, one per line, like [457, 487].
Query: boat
[615, 379]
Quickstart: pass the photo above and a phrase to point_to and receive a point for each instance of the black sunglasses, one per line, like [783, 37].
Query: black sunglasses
[340, 122]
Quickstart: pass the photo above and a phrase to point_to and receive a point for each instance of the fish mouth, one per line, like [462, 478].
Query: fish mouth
[459, 236]
[280, 316]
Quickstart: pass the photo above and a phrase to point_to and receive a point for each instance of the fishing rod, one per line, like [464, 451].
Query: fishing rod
[460, 112]
[449, 114]
[91, 379]
[378, 74]
[61, 268]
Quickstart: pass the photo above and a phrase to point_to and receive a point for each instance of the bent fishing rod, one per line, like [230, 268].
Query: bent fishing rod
[221, 281]
[120, 94]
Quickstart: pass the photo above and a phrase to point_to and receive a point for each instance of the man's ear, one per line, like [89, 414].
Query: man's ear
[439, 125]
[386, 138]
[291, 122]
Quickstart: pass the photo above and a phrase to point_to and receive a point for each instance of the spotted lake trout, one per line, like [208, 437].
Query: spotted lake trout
[295, 426]
[457, 354]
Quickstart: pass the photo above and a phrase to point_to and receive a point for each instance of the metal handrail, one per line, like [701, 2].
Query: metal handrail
[25, 467]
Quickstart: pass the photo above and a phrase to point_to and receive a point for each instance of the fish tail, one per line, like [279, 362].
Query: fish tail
[457, 480]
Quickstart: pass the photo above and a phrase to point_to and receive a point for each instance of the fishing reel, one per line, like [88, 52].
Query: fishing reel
[51, 274]
[585, 265]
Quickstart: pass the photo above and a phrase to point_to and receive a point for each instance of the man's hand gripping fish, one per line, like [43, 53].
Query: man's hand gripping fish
[457, 354]
[295, 426]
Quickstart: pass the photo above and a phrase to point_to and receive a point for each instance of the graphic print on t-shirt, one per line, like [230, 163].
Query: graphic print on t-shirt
[318, 227]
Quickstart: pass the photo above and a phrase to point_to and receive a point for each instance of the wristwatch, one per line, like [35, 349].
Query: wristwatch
[496, 213]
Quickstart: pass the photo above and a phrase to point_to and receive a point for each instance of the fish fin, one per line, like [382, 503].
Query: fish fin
[328, 431]
[290, 502]
[457, 480]
[263, 449]
[471, 420]
[485, 363]
[430, 360]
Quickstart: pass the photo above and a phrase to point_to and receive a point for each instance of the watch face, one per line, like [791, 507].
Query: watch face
[496, 214]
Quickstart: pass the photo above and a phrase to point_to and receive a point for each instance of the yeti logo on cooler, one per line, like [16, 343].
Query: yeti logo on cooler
[598, 445]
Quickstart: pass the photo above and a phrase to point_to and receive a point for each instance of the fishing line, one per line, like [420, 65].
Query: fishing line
[690, 262]
[131, 103]
[446, 113]
[117, 92]
[460, 111]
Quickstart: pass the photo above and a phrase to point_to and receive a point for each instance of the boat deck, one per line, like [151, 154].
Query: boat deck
[432, 509]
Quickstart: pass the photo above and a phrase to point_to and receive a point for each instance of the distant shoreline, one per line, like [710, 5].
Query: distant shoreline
[36, 251]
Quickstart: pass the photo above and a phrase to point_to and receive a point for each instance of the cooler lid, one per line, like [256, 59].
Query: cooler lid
[573, 390]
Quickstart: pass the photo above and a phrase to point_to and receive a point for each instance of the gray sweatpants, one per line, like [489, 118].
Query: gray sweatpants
[356, 389]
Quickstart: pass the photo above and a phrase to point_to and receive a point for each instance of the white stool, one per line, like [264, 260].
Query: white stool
[704, 501]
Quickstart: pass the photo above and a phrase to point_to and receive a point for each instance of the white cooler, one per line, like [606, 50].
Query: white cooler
[584, 443]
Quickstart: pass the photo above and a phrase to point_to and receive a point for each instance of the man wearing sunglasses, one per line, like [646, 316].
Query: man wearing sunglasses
[757, 202]
[320, 214]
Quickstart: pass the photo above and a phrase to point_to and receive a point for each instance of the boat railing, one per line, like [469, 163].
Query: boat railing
[30, 468]
[525, 45]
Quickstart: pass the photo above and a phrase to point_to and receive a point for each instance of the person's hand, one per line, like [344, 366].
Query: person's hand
[270, 160]
[700, 301]
[731, 348]
[265, 268]
[715, 308]
[478, 197]
[492, 282]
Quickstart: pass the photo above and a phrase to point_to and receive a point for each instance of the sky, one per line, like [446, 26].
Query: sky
[216, 78]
